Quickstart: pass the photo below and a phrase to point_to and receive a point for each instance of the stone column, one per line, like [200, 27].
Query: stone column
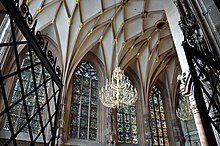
[198, 121]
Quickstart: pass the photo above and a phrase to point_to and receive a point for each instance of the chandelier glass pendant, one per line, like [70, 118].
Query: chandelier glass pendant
[118, 90]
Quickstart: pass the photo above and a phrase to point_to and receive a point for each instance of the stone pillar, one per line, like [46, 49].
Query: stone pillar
[198, 121]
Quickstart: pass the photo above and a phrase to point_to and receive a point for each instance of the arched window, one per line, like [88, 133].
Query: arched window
[83, 121]
[127, 124]
[18, 115]
[158, 123]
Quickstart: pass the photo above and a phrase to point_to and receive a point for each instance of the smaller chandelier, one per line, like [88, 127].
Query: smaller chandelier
[118, 90]
[184, 111]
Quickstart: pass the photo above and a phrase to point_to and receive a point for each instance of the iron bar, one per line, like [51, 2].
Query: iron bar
[22, 25]
[199, 96]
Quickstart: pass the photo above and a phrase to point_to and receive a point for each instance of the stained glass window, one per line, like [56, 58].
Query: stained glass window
[17, 112]
[127, 124]
[84, 103]
[158, 123]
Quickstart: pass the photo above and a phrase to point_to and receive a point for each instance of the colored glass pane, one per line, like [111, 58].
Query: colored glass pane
[158, 123]
[93, 113]
[94, 101]
[94, 93]
[74, 121]
[126, 127]
[86, 91]
[84, 122]
[92, 134]
[94, 84]
[86, 82]
[75, 109]
[85, 100]
[84, 111]
[83, 133]
[18, 112]
[76, 98]
[93, 123]
[77, 89]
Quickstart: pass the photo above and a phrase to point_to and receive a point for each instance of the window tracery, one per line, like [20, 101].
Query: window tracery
[17, 112]
[127, 124]
[158, 123]
[84, 103]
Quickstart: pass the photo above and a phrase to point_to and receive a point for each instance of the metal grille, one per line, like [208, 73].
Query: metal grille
[203, 60]
[206, 76]
[37, 98]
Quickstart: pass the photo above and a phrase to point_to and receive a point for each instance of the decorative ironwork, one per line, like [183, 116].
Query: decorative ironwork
[204, 69]
[31, 84]
[40, 40]
[184, 111]
[191, 29]
[208, 74]
[26, 14]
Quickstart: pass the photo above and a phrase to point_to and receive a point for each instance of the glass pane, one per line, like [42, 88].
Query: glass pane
[158, 123]
[74, 121]
[84, 111]
[86, 81]
[92, 134]
[93, 113]
[76, 98]
[73, 132]
[83, 133]
[18, 112]
[93, 123]
[127, 128]
[82, 102]
[85, 100]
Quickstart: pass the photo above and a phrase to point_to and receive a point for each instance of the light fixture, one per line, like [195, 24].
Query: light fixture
[118, 90]
[184, 111]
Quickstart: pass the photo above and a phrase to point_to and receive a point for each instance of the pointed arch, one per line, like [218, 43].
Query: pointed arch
[82, 105]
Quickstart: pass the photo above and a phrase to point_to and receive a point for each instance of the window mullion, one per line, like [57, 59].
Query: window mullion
[80, 106]
[89, 108]
[155, 116]
[86, 127]
[161, 124]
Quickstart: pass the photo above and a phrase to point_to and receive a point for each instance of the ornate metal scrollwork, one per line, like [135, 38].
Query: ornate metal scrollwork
[58, 71]
[40, 39]
[191, 29]
[48, 53]
[188, 22]
[41, 42]
[26, 14]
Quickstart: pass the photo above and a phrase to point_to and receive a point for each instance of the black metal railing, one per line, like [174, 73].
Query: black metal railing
[204, 69]
[30, 81]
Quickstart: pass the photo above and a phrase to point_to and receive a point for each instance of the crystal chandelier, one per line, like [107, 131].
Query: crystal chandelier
[118, 90]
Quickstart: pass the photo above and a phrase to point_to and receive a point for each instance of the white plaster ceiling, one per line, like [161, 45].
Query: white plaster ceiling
[123, 30]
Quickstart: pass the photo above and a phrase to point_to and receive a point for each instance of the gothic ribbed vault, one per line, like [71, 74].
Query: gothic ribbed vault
[137, 29]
